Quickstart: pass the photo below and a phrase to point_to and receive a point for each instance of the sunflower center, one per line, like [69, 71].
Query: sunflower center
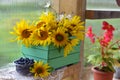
[39, 70]
[40, 24]
[69, 29]
[43, 35]
[26, 33]
[59, 37]
[73, 25]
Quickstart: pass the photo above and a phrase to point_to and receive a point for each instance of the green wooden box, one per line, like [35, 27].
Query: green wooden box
[52, 55]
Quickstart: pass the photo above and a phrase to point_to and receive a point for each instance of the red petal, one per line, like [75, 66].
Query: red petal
[105, 23]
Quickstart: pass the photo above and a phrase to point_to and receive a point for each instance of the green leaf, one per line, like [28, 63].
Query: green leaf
[94, 59]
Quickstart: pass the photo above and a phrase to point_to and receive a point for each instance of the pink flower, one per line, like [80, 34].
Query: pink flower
[90, 34]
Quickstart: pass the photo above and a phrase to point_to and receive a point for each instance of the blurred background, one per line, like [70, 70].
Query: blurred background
[12, 11]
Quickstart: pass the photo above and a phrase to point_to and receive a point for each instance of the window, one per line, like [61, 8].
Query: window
[12, 11]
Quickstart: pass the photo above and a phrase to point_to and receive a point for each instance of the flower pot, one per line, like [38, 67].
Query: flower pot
[117, 73]
[99, 75]
[51, 55]
[118, 2]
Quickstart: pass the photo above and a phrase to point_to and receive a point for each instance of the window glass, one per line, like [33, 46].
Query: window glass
[102, 4]
[12, 11]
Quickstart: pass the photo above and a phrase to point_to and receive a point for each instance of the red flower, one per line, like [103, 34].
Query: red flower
[108, 35]
[107, 26]
[103, 43]
[90, 34]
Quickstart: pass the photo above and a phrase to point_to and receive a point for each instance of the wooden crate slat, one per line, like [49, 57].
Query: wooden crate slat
[49, 53]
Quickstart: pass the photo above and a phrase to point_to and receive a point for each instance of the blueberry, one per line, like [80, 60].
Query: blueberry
[21, 58]
[27, 59]
[23, 65]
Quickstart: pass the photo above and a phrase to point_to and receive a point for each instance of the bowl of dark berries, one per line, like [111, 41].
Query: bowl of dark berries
[23, 66]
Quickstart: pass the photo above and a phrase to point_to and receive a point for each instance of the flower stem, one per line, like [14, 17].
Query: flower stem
[102, 51]
[114, 44]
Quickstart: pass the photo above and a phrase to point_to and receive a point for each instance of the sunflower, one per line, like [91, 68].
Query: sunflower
[65, 22]
[40, 69]
[67, 49]
[41, 37]
[76, 26]
[60, 38]
[23, 32]
[76, 23]
[69, 46]
[79, 34]
[74, 42]
[50, 19]
[40, 24]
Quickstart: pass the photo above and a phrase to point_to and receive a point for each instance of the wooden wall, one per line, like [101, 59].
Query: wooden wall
[72, 7]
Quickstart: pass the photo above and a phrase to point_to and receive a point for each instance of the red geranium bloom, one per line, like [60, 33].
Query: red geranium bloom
[107, 26]
[104, 43]
[108, 35]
[104, 46]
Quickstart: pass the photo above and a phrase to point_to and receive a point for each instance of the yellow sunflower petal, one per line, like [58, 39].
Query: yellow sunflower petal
[23, 31]
[67, 49]
[60, 38]
[41, 37]
[40, 70]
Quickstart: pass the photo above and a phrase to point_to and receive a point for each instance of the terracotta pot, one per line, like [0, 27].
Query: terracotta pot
[99, 75]
[118, 2]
